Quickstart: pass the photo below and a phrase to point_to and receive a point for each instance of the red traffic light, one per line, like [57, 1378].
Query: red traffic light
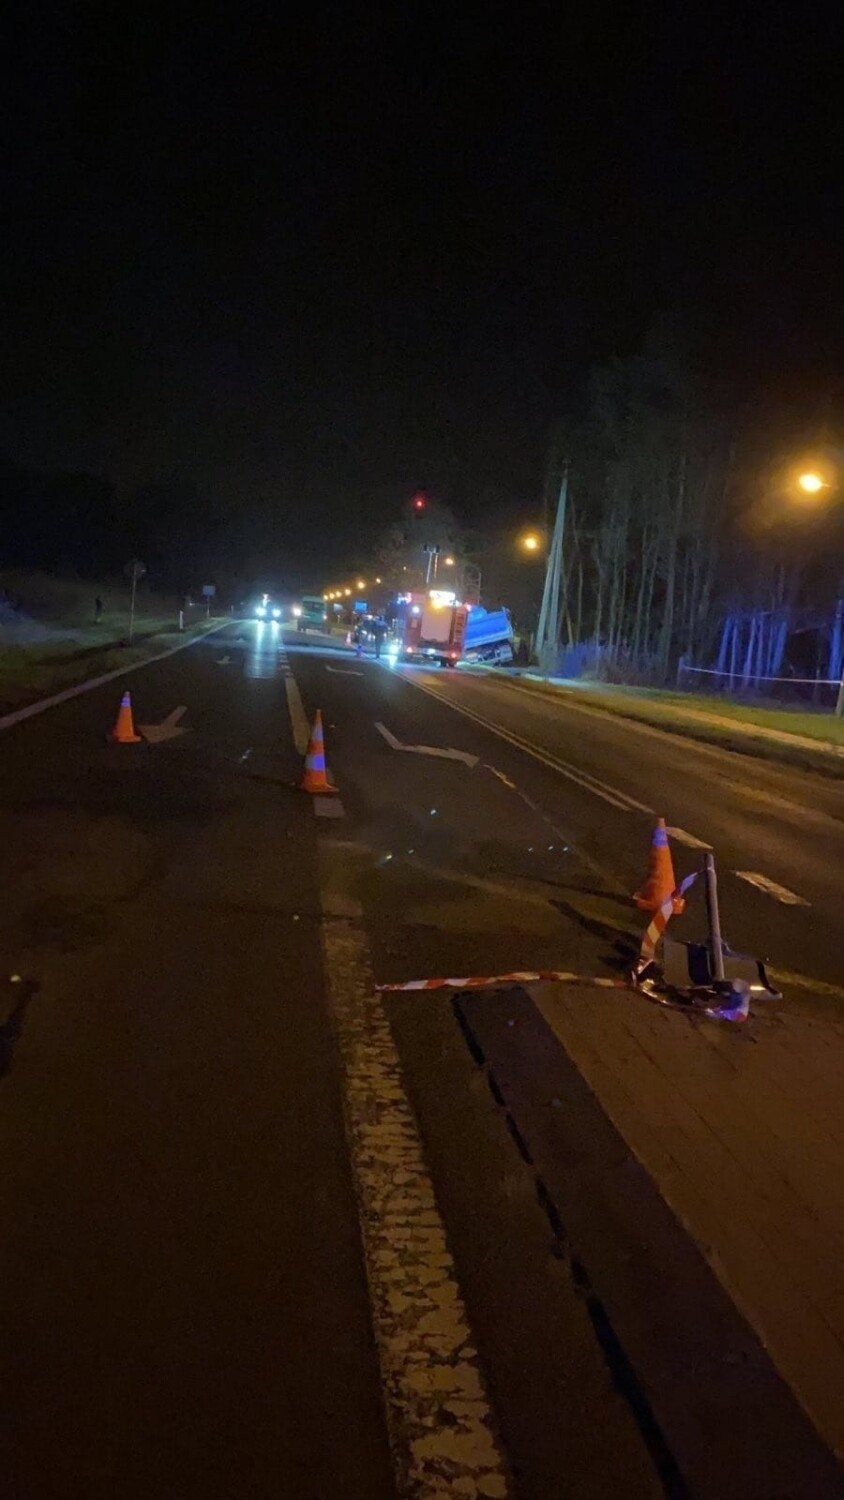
[419, 502]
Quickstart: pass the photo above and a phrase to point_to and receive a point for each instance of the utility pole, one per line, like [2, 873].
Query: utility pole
[548, 629]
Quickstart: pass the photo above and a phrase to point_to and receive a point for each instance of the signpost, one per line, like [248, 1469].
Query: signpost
[135, 569]
[208, 592]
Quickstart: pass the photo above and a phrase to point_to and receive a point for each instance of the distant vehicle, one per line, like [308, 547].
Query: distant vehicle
[310, 613]
[266, 610]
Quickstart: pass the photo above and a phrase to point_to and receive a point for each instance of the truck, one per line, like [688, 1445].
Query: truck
[488, 636]
[429, 627]
[311, 613]
[433, 626]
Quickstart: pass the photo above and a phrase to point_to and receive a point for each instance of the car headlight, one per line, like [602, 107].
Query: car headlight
[261, 611]
[297, 612]
[276, 613]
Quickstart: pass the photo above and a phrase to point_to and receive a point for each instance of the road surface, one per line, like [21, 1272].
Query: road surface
[266, 1233]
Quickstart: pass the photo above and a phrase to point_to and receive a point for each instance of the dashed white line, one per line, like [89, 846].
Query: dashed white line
[298, 719]
[770, 887]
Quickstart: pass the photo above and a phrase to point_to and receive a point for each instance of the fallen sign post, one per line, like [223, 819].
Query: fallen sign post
[716, 947]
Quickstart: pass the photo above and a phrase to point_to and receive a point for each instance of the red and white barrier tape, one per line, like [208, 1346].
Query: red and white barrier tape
[481, 981]
[734, 1007]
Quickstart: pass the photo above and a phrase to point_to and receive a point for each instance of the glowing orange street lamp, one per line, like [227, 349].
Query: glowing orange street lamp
[811, 483]
[530, 542]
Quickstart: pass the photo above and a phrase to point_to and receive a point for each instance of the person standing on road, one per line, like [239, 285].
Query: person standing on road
[379, 630]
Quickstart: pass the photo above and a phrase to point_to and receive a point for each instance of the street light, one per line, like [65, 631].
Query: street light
[811, 483]
[530, 542]
[361, 583]
[347, 593]
[378, 580]
[448, 562]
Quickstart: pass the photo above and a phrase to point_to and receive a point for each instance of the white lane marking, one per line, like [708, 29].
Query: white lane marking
[168, 729]
[389, 736]
[437, 750]
[342, 671]
[298, 721]
[770, 887]
[329, 807]
[20, 714]
[609, 794]
[438, 1416]
[443, 754]
[682, 837]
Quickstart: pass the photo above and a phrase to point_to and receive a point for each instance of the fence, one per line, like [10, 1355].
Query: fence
[730, 682]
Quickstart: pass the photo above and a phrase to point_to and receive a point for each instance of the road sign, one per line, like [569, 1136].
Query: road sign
[209, 590]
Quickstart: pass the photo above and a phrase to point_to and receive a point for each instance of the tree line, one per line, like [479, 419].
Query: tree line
[686, 528]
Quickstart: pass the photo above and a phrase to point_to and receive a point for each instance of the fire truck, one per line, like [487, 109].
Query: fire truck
[432, 626]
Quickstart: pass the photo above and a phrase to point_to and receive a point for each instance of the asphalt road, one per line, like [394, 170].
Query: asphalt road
[784, 827]
[190, 1305]
[183, 1298]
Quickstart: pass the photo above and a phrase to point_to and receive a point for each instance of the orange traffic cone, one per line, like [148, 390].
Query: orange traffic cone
[314, 778]
[123, 732]
[659, 882]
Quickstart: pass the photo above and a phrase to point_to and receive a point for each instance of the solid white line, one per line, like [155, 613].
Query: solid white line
[342, 671]
[682, 837]
[770, 887]
[438, 1415]
[298, 721]
[611, 795]
[20, 714]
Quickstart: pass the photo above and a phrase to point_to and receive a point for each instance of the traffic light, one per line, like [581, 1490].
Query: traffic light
[419, 502]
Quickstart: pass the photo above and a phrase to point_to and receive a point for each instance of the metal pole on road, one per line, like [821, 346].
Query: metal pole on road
[715, 944]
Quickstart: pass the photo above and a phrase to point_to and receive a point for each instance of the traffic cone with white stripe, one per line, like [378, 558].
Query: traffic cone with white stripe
[660, 883]
[123, 732]
[314, 777]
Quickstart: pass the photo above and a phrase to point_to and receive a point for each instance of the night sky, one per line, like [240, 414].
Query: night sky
[314, 261]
